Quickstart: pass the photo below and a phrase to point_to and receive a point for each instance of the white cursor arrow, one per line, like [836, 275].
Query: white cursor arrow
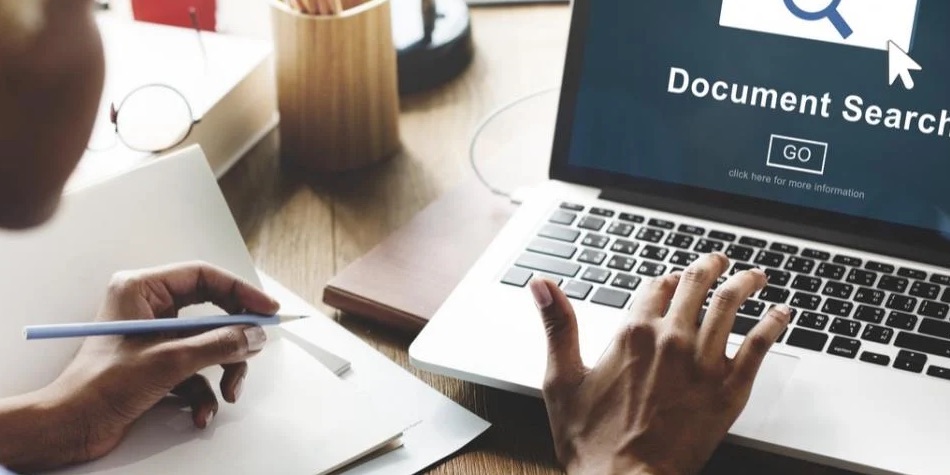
[900, 64]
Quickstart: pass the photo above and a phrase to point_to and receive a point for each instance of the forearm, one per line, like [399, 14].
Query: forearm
[34, 434]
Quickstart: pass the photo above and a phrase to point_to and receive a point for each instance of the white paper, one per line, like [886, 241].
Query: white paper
[445, 426]
[295, 416]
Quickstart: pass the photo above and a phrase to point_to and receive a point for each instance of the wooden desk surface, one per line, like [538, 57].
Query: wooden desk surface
[303, 231]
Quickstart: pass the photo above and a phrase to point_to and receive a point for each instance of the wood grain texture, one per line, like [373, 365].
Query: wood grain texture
[336, 86]
[303, 229]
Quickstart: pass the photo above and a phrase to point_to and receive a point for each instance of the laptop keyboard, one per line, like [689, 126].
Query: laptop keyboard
[839, 302]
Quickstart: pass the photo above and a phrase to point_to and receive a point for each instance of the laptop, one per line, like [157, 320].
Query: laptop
[809, 138]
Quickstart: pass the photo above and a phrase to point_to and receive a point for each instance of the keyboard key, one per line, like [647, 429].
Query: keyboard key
[778, 278]
[595, 240]
[517, 277]
[751, 308]
[546, 264]
[572, 207]
[940, 279]
[754, 242]
[869, 314]
[806, 301]
[683, 258]
[808, 284]
[893, 284]
[591, 223]
[680, 241]
[838, 290]
[743, 325]
[774, 294]
[722, 236]
[593, 274]
[606, 213]
[901, 303]
[925, 291]
[590, 256]
[815, 321]
[869, 296]
[862, 277]
[929, 326]
[938, 372]
[903, 321]
[655, 253]
[879, 267]
[910, 360]
[830, 271]
[631, 218]
[706, 246]
[800, 265]
[625, 247]
[739, 267]
[577, 290]
[611, 297]
[739, 253]
[877, 334]
[689, 229]
[912, 273]
[560, 233]
[624, 281]
[552, 248]
[875, 358]
[847, 260]
[563, 217]
[620, 229]
[622, 263]
[841, 308]
[933, 309]
[813, 254]
[945, 298]
[662, 224]
[807, 339]
[784, 248]
[769, 259]
[844, 347]
[845, 327]
[650, 235]
[651, 269]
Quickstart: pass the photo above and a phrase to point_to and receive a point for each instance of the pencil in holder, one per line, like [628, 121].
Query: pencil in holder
[337, 86]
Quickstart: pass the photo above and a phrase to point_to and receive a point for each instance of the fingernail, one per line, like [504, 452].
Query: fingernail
[542, 296]
[759, 272]
[784, 311]
[256, 337]
[208, 419]
[238, 388]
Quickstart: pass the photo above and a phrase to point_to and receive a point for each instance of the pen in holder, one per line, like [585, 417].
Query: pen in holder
[337, 86]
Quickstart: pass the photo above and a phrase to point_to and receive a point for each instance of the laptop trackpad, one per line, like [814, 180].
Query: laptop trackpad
[776, 371]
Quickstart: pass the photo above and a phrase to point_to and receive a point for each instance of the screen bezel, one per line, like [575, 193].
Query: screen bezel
[835, 228]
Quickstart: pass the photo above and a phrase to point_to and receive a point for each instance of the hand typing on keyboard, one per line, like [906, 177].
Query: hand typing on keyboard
[664, 394]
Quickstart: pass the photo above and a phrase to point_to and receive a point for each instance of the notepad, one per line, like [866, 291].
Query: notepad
[295, 415]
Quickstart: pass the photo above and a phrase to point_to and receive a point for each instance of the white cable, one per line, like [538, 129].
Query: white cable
[484, 124]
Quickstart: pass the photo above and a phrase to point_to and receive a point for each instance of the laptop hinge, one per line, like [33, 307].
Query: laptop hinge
[784, 225]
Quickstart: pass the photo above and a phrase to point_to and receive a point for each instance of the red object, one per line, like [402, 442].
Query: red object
[175, 12]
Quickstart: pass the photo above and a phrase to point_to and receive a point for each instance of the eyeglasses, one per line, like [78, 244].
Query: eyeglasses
[152, 118]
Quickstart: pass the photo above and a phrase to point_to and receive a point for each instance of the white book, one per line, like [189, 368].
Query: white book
[231, 89]
[295, 416]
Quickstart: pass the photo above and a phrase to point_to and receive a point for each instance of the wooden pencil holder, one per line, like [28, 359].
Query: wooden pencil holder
[337, 86]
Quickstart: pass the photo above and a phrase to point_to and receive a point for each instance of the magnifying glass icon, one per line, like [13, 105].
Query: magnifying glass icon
[830, 12]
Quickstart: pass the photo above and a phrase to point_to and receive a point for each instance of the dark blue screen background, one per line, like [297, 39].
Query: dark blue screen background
[626, 122]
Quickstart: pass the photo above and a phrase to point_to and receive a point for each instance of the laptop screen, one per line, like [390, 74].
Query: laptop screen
[833, 105]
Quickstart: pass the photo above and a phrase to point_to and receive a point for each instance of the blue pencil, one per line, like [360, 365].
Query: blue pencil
[136, 327]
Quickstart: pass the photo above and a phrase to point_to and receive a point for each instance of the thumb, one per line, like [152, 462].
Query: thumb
[565, 366]
[225, 345]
